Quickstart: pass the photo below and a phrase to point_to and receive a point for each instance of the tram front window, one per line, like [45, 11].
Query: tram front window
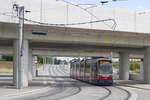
[105, 69]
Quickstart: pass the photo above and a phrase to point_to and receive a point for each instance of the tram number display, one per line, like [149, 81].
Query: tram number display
[104, 62]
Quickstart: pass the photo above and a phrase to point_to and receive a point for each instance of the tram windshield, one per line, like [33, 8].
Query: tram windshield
[105, 67]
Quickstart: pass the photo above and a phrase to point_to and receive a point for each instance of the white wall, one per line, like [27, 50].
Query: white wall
[55, 12]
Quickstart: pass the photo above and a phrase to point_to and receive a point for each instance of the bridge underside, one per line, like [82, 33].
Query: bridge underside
[72, 50]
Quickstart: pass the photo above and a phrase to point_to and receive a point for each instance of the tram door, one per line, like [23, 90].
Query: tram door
[75, 70]
[71, 69]
[88, 70]
[94, 70]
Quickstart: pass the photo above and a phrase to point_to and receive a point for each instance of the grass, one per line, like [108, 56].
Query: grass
[6, 67]
[134, 66]
[5, 70]
[115, 64]
[39, 65]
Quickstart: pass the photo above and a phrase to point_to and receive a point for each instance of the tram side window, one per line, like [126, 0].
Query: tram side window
[94, 64]
[74, 67]
[71, 65]
[88, 66]
[82, 66]
[78, 67]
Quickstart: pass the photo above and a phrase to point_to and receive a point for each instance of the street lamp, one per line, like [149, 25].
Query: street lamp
[107, 1]
[20, 13]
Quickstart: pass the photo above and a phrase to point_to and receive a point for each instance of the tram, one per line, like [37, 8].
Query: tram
[95, 70]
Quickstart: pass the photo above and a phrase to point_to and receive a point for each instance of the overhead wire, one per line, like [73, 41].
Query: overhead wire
[8, 15]
[49, 24]
[79, 23]
[77, 5]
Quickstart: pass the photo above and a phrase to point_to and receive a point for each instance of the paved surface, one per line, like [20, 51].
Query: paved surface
[142, 90]
[69, 89]
[38, 85]
[61, 87]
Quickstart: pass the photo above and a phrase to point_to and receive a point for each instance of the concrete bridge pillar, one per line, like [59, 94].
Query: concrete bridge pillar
[30, 67]
[124, 66]
[34, 66]
[147, 65]
[20, 76]
[141, 67]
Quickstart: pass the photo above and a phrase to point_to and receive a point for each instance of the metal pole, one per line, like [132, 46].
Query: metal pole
[43, 62]
[91, 18]
[49, 60]
[67, 7]
[41, 12]
[111, 55]
[53, 58]
[20, 46]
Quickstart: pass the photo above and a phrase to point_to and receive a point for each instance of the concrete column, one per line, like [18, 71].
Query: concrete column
[25, 61]
[147, 65]
[34, 67]
[30, 65]
[141, 67]
[124, 66]
[23, 78]
[34, 71]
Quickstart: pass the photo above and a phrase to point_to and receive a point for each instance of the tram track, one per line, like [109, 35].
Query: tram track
[63, 91]
[64, 70]
[50, 94]
[128, 93]
[110, 93]
[69, 91]
[109, 90]
[61, 71]
[125, 85]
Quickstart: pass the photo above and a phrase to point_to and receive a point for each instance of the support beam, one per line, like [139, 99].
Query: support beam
[147, 65]
[21, 76]
[124, 66]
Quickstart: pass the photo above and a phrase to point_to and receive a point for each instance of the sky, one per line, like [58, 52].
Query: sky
[127, 4]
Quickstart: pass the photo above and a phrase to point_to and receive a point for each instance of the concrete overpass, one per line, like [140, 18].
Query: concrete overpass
[64, 41]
